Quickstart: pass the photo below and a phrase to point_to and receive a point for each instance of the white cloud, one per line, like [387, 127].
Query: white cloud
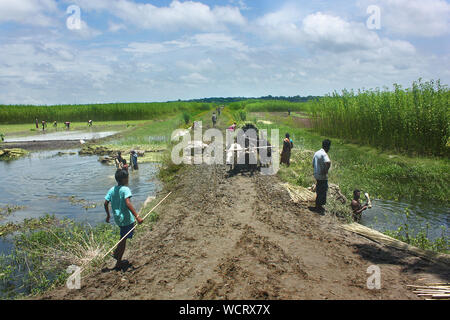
[146, 48]
[430, 18]
[194, 78]
[218, 41]
[177, 16]
[115, 27]
[32, 12]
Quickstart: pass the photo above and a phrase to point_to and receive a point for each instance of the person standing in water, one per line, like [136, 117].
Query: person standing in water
[288, 145]
[119, 160]
[357, 208]
[44, 124]
[134, 160]
[37, 123]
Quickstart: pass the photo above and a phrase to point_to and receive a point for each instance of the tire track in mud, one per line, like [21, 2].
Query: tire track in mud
[241, 237]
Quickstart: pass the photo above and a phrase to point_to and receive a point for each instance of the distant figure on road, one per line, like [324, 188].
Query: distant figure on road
[67, 123]
[321, 165]
[232, 127]
[44, 124]
[288, 145]
[55, 124]
[357, 208]
[214, 119]
[37, 123]
[289, 111]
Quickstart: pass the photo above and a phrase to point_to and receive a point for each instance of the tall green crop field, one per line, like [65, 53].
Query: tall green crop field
[415, 120]
[11, 114]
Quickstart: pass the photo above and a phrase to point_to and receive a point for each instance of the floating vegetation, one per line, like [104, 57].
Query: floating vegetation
[7, 210]
[12, 154]
[40, 257]
[77, 202]
[28, 224]
[107, 153]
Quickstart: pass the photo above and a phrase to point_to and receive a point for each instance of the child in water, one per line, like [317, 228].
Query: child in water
[124, 213]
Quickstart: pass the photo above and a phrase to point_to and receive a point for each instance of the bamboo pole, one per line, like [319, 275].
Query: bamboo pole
[124, 237]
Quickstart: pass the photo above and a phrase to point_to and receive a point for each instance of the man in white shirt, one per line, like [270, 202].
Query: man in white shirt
[234, 153]
[321, 165]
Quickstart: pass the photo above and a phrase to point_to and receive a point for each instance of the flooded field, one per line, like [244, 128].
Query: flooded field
[389, 215]
[63, 135]
[68, 186]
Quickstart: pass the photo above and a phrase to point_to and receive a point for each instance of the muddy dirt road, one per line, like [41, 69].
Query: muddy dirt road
[240, 237]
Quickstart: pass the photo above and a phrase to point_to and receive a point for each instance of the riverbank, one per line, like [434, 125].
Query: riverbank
[240, 237]
[409, 193]
[33, 239]
[227, 236]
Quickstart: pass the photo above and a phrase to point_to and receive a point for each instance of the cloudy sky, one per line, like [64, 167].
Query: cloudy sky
[136, 50]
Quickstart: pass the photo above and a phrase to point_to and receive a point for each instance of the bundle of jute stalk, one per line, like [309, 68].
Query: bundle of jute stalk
[433, 291]
[369, 203]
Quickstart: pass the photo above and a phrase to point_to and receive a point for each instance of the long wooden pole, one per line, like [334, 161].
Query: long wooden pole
[109, 251]
[124, 237]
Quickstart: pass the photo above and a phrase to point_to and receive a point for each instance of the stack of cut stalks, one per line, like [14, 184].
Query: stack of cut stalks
[299, 194]
[433, 291]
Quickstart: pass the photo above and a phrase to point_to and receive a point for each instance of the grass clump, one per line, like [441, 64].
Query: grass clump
[40, 257]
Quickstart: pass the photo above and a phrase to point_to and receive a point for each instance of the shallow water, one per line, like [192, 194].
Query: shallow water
[44, 182]
[62, 135]
[389, 215]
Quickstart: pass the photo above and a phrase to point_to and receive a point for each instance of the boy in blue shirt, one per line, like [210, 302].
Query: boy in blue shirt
[123, 211]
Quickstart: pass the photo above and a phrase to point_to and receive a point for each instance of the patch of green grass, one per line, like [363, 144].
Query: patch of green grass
[384, 176]
[40, 257]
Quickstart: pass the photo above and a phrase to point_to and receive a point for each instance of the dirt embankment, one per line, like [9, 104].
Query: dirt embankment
[241, 237]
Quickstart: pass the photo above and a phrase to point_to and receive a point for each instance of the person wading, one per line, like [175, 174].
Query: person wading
[357, 208]
[134, 160]
[288, 145]
[321, 165]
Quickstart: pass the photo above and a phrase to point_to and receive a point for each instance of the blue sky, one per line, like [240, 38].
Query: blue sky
[136, 50]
